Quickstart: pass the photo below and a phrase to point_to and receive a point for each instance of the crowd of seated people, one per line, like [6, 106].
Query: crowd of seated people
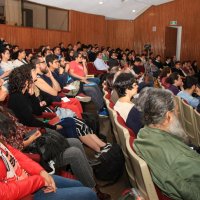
[130, 78]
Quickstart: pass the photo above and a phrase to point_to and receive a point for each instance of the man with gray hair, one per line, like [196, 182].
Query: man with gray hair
[163, 144]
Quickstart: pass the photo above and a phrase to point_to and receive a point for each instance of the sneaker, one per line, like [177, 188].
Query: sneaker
[97, 154]
[103, 114]
[107, 147]
[83, 98]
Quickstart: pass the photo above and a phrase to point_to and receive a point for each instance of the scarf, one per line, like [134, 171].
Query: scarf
[14, 170]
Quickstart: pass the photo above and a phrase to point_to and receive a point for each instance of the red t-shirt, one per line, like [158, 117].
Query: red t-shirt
[77, 68]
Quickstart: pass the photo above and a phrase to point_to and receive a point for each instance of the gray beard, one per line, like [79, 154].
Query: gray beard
[175, 128]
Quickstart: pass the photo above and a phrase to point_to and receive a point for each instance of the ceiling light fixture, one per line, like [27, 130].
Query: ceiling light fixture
[100, 2]
[133, 10]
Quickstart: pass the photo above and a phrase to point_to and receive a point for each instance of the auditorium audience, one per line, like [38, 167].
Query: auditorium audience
[99, 62]
[163, 144]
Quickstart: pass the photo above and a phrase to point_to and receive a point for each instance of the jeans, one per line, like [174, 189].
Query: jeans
[95, 93]
[66, 189]
[76, 158]
[94, 80]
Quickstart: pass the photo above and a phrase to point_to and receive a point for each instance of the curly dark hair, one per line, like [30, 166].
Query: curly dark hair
[18, 78]
[123, 82]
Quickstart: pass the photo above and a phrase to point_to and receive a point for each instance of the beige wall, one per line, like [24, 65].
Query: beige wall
[39, 14]
[57, 19]
[13, 12]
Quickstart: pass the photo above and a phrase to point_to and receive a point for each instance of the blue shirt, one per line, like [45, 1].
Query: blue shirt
[193, 101]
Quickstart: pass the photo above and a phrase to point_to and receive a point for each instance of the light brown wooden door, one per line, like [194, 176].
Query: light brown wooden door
[170, 41]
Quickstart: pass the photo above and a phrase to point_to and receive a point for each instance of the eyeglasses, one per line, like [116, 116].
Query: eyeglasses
[42, 62]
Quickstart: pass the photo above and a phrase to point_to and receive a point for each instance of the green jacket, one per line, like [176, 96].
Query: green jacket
[175, 167]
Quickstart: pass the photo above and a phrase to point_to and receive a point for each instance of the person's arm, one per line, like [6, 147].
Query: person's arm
[84, 62]
[21, 108]
[56, 85]
[18, 189]
[45, 87]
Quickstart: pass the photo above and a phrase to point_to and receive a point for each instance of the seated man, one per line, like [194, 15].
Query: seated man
[163, 144]
[175, 82]
[190, 88]
[99, 62]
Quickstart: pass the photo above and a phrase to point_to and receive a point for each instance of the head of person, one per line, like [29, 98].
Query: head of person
[126, 85]
[61, 45]
[52, 61]
[15, 48]
[29, 56]
[159, 111]
[46, 52]
[5, 54]
[78, 57]
[168, 60]
[71, 53]
[113, 55]
[109, 81]
[137, 61]
[158, 58]
[175, 79]
[39, 64]
[191, 83]
[7, 127]
[165, 72]
[99, 54]
[124, 57]
[21, 54]
[177, 64]
[20, 79]
[56, 50]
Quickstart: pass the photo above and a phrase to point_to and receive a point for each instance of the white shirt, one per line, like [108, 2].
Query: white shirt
[18, 63]
[123, 108]
[100, 64]
[6, 66]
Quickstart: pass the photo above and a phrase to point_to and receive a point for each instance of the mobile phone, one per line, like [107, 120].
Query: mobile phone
[30, 133]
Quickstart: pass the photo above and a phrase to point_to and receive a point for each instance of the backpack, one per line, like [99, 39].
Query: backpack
[92, 120]
[112, 165]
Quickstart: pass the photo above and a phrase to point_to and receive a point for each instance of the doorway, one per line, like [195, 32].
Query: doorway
[173, 41]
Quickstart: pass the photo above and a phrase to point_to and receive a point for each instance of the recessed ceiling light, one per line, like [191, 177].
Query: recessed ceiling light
[100, 2]
[133, 10]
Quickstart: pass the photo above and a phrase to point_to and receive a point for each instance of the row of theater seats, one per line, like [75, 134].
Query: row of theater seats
[137, 169]
[190, 120]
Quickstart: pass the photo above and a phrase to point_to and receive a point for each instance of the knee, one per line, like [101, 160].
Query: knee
[88, 193]
[74, 142]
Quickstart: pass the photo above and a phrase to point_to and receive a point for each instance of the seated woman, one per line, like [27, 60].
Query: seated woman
[21, 55]
[126, 87]
[24, 104]
[165, 73]
[21, 176]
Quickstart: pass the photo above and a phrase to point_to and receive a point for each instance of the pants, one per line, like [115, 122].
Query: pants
[69, 128]
[94, 80]
[95, 93]
[67, 189]
[75, 156]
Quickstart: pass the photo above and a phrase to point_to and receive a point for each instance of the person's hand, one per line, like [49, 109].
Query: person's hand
[67, 67]
[58, 127]
[43, 103]
[36, 135]
[61, 70]
[49, 74]
[31, 89]
[49, 182]
[197, 91]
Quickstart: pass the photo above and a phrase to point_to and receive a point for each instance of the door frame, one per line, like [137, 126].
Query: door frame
[178, 41]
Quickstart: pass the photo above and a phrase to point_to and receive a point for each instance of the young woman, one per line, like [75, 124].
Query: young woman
[21, 55]
[126, 87]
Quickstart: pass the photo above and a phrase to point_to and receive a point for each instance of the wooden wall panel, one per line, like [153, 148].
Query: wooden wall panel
[88, 28]
[120, 33]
